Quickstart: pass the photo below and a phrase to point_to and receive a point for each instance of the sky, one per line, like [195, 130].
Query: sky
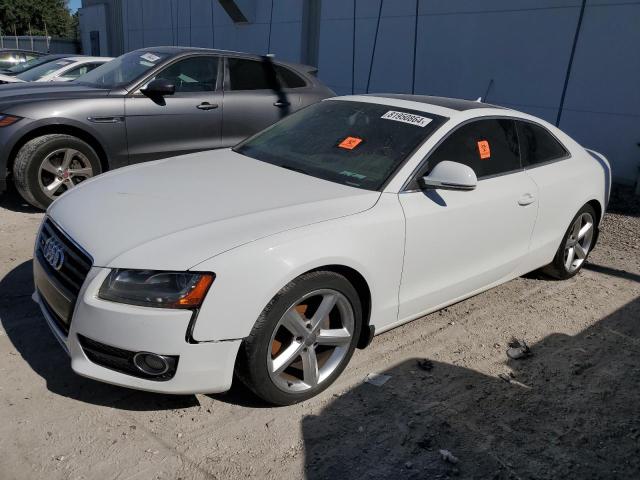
[74, 5]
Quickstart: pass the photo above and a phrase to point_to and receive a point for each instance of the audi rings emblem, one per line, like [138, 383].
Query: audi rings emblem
[53, 253]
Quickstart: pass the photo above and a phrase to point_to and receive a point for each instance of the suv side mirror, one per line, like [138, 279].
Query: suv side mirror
[449, 175]
[158, 88]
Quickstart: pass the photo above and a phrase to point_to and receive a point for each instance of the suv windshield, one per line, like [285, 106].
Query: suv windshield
[40, 71]
[123, 70]
[353, 143]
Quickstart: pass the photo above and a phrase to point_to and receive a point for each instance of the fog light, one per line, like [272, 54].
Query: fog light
[151, 363]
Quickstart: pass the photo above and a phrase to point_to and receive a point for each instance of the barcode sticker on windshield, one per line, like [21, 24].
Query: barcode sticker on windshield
[410, 118]
[150, 57]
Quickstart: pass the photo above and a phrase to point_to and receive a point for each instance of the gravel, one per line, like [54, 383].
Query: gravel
[570, 410]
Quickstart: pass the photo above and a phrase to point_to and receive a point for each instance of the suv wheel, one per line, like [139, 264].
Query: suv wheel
[48, 166]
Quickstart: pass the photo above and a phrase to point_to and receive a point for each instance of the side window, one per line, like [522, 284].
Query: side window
[251, 75]
[289, 79]
[538, 145]
[489, 147]
[195, 74]
[79, 71]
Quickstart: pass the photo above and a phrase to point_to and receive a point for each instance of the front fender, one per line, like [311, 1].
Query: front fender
[247, 277]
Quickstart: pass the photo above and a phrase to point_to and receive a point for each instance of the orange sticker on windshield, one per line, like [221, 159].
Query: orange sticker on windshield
[484, 150]
[350, 143]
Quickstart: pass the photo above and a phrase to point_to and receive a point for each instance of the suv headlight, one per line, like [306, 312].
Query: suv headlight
[152, 288]
[6, 120]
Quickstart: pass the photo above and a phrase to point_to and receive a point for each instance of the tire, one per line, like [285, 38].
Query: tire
[560, 267]
[52, 151]
[270, 340]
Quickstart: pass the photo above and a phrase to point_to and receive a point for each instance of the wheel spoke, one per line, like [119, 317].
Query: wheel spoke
[576, 228]
[325, 307]
[334, 336]
[68, 156]
[580, 252]
[584, 230]
[570, 256]
[295, 323]
[54, 186]
[310, 367]
[81, 172]
[47, 166]
[286, 358]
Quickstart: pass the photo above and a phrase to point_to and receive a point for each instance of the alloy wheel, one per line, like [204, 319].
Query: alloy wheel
[578, 242]
[310, 340]
[62, 170]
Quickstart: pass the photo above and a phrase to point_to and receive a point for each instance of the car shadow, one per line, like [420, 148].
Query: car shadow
[26, 329]
[11, 200]
[571, 410]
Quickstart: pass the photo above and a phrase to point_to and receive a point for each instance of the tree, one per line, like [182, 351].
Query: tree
[20, 14]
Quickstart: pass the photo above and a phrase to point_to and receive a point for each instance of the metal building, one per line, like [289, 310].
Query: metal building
[575, 63]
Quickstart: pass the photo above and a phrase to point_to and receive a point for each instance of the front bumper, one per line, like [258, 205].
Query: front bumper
[205, 367]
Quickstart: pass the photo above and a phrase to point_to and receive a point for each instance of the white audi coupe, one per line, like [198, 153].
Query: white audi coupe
[273, 260]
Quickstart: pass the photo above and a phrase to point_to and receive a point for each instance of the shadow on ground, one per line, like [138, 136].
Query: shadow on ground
[31, 337]
[11, 200]
[572, 410]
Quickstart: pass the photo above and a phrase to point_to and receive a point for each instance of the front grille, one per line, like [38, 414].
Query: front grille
[59, 321]
[121, 360]
[71, 275]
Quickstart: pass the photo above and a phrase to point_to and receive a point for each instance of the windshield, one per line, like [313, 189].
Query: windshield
[34, 62]
[353, 143]
[38, 72]
[123, 70]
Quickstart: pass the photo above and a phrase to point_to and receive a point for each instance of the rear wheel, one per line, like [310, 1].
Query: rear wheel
[48, 166]
[576, 245]
[303, 339]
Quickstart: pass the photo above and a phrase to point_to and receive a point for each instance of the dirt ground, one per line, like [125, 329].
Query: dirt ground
[571, 410]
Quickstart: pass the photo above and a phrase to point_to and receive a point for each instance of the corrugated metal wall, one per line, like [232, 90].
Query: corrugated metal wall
[517, 52]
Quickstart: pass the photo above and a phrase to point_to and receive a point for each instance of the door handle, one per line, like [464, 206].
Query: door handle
[526, 199]
[207, 106]
[281, 103]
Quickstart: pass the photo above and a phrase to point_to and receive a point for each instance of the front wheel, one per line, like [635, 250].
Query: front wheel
[48, 166]
[576, 245]
[303, 339]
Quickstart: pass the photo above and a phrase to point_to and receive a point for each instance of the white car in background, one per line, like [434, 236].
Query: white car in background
[60, 70]
[276, 258]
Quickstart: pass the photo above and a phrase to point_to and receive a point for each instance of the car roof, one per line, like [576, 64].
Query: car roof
[85, 58]
[443, 106]
[175, 50]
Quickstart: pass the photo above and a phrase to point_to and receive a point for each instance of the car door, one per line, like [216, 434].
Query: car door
[458, 242]
[254, 98]
[549, 165]
[188, 121]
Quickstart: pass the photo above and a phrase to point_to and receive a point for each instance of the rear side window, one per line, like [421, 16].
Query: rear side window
[252, 74]
[489, 147]
[538, 145]
[289, 79]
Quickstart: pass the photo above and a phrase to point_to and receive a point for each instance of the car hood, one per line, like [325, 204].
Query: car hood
[29, 92]
[175, 213]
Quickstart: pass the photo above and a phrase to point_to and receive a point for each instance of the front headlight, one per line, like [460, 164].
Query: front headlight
[152, 288]
[6, 120]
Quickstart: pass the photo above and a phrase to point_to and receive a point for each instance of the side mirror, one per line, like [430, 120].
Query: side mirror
[450, 176]
[158, 88]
